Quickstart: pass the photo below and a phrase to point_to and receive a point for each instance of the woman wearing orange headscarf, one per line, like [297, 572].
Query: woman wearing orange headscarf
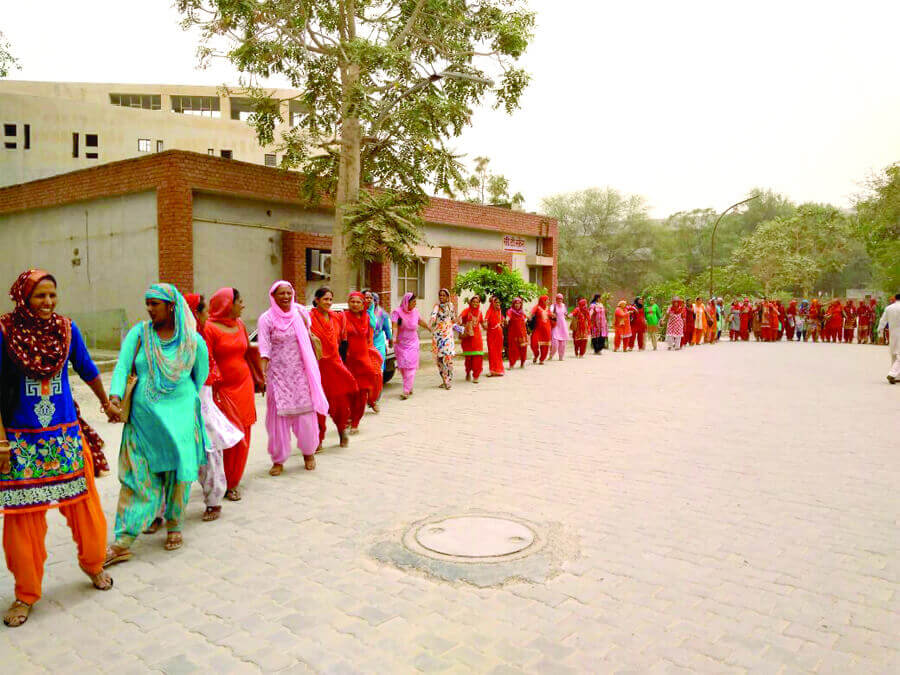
[542, 331]
[622, 325]
[516, 334]
[581, 327]
[363, 359]
[494, 321]
[699, 321]
[338, 382]
[227, 339]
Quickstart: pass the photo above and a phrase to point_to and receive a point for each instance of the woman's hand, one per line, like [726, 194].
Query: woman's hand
[5, 455]
[113, 411]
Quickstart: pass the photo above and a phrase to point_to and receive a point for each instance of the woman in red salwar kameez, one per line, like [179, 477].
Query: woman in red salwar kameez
[494, 321]
[516, 334]
[542, 332]
[227, 339]
[363, 360]
[581, 327]
[338, 382]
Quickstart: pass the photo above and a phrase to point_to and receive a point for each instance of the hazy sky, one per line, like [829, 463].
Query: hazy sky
[689, 104]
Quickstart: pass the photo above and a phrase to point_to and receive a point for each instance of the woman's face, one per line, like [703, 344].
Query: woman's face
[356, 304]
[369, 299]
[284, 297]
[411, 304]
[237, 308]
[43, 299]
[475, 302]
[203, 316]
[444, 296]
[495, 303]
[159, 311]
[325, 301]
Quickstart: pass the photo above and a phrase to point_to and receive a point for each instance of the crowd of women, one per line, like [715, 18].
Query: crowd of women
[185, 383]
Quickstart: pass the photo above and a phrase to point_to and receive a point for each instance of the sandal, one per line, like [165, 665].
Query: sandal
[403, 397]
[17, 614]
[212, 513]
[319, 449]
[173, 541]
[101, 581]
[354, 431]
[374, 407]
[233, 495]
[276, 469]
[345, 440]
[116, 555]
[154, 526]
[309, 461]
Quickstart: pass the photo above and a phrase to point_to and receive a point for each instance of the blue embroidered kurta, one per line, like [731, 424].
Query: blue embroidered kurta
[45, 438]
[170, 430]
[381, 328]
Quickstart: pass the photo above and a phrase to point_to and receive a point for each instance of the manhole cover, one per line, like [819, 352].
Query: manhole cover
[475, 536]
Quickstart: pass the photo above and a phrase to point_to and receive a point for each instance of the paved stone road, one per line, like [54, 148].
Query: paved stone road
[729, 508]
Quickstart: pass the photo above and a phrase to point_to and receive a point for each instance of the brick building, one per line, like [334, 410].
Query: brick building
[204, 222]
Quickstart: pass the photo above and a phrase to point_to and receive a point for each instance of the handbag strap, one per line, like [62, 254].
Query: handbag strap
[137, 349]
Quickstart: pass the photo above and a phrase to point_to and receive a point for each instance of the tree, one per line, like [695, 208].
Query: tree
[606, 239]
[8, 62]
[506, 284]
[385, 85]
[878, 225]
[495, 185]
[794, 253]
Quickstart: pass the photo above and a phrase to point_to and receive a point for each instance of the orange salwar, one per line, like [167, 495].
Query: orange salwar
[24, 534]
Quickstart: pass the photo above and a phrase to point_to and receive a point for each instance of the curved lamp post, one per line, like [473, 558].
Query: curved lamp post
[712, 244]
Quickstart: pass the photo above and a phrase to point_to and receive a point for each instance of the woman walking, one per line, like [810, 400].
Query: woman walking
[581, 327]
[675, 324]
[560, 333]
[516, 334]
[599, 329]
[623, 327]
[406, 341]
[638, 325]
[163, 442]
[494, 323]
[294, 395]
[381, 325]
[44, 458]
[227, 338]
[220, 432]
[337, 382]
[541, 332]
[362, 359]
[472, 321]
[443, 319]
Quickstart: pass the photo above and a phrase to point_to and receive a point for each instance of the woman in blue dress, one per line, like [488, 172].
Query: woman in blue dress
[381, 325]
[44, 460]
[164, 440]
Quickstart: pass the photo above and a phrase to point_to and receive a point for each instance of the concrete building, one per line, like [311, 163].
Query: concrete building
[50, 128]
[204, 222]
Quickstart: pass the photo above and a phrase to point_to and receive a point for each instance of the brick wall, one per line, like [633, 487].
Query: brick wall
[293, 258]
[451, 256]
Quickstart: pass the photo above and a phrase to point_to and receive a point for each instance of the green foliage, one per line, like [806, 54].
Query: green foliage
[794, 253]
[383, 226]
[878, 225]
[408, 71]
[8, 62]
[483, 187]
[506, 284]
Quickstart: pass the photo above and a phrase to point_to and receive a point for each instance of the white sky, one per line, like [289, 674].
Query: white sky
[687, 103]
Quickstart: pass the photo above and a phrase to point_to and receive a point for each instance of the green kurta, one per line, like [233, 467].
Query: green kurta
[170, 431]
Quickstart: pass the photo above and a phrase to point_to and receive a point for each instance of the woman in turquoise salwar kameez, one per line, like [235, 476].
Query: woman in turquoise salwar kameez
[381, 325]
[164, 442]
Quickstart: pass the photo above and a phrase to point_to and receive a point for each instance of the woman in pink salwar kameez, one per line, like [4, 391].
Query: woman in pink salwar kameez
[598, 324]
[560, 333]
[406, 341]
[294, 395]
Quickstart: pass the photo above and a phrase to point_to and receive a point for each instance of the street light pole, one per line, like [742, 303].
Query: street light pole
[712, 244]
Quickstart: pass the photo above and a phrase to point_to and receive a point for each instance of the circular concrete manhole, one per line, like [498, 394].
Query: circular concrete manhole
[473, 537]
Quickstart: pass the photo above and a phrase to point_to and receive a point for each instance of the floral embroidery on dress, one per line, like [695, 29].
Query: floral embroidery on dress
[44, 409]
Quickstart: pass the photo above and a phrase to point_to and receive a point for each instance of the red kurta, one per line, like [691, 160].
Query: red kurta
[494, 319]
[516, 337]
[363, 360]
[337, 382]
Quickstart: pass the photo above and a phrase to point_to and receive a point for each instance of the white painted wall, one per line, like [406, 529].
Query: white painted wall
[116, 240]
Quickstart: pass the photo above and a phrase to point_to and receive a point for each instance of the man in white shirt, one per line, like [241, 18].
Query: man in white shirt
[890, 318]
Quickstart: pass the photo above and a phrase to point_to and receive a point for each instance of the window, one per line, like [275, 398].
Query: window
[409, 278]
[242, 108]
[27, 136]
[159, 146]
[539, 246]
[145, 101]
[318, 264]
[226, 154]
[296, 111]
[536, 275]
[143, 145]
[271, 160]
[203, 106]
[210, 151]
[91, 141]
[9, 131]
[74, 145]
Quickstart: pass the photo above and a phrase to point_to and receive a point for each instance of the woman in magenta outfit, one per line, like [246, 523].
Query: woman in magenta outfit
[294, 395]
[406, 341]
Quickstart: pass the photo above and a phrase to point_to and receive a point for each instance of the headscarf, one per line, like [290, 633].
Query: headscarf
[166, 371]
[39, 347]
[494, 315]
[220, 304]
[517, 312]
[294, 320]
[361, 321]
[193, 301]
[444, 310]
[622, 303]
[543, 300]
[403, 312]
[376, 312]
[583, 315]
[560, 299]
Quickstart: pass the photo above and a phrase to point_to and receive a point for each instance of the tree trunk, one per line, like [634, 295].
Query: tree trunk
[342, 274]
